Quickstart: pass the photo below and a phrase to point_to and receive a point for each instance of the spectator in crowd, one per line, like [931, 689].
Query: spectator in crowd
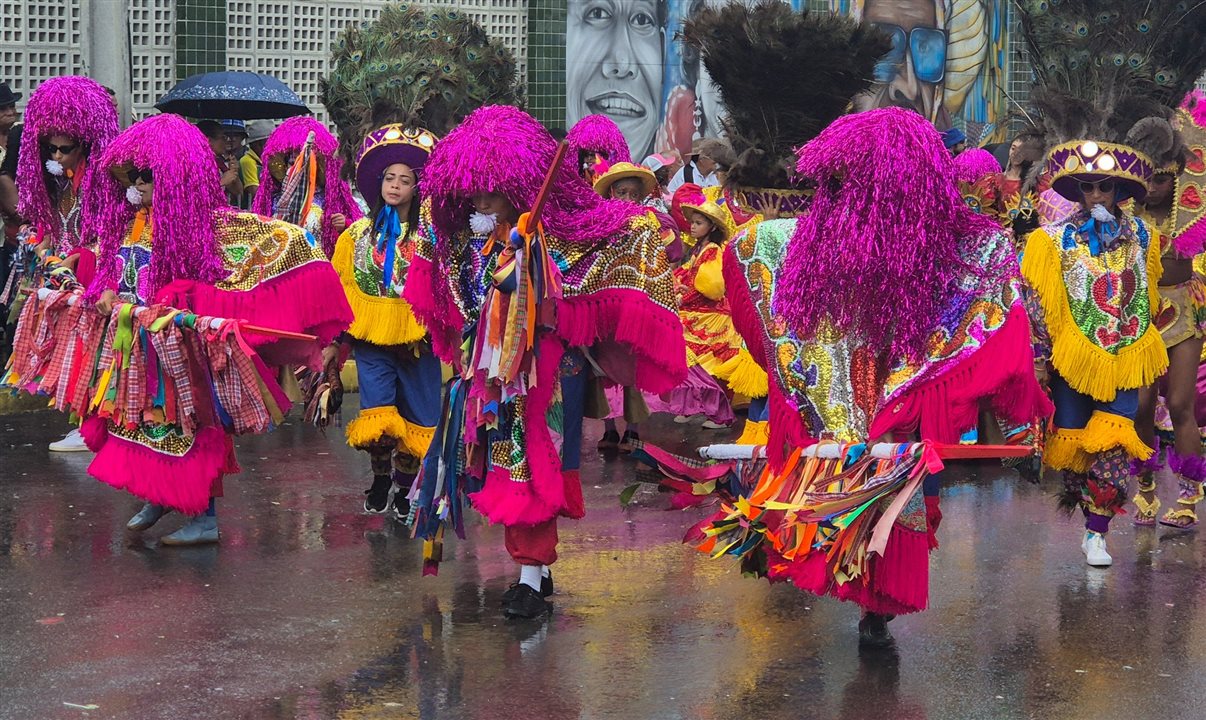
[955, 141]
[8, 115]
[252, 160]
[10, 140]
[699, 167]
[224, 155]
[664, 166]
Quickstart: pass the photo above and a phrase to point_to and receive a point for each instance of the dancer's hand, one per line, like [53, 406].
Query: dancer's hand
[339, 222]
[330, 358]
[104, 305]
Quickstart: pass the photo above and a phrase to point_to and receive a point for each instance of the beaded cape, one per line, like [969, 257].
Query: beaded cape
[830, 387]
[382, 316]
[1098, 307]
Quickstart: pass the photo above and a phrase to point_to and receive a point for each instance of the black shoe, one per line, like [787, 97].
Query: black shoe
[521, 601]
[873, 631]
[546, 588]
[401, 505]
[626, 442]
[376, 502]
[609, 441]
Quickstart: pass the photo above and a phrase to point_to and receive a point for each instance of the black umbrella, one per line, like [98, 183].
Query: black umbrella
[232, 95]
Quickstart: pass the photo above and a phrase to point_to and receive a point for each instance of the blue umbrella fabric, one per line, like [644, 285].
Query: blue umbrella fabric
[232, 94]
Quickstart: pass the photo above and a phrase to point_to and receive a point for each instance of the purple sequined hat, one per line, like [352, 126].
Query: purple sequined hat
[384, 147]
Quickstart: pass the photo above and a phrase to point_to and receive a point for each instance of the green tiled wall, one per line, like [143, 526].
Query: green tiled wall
[546, 61]
[200, 37]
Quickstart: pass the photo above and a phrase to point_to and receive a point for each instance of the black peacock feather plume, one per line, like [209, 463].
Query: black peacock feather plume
[783, 76]
[1113, 70]
[418, 67]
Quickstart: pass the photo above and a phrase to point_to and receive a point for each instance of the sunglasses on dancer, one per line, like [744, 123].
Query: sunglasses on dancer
[1104, 186]
[144, 175]
[61, 149]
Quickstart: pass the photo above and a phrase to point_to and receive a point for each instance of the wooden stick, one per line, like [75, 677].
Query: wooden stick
[549, 178]
[254, 329]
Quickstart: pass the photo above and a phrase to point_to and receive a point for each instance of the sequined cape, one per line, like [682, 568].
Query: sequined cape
[278, 278]
[382, 316]
[1097, 309]
[617, 292]
[830, 387]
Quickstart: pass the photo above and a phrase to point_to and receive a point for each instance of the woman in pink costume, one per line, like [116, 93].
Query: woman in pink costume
[926, 328]
[330, 208]
[68, 123]
[166, 237]
[509, 312]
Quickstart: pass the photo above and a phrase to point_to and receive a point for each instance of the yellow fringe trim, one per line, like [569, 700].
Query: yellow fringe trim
[1086, 367]
[1064, 451]
[1107, 431]
[375, 423]
[754, 433]
[743, 375]
[379, 320]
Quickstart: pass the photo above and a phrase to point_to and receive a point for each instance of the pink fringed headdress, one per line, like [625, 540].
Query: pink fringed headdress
[73, 106]
[337, 195]
[502, 149]
[973, 164]
[598, 134]
[187, 192]
[877, 256]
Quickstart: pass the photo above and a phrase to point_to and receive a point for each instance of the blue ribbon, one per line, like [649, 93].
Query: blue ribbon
[388, 229]
[1101, 236]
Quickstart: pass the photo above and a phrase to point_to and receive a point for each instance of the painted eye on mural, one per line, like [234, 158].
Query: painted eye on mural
[598, 14]
[642, 21]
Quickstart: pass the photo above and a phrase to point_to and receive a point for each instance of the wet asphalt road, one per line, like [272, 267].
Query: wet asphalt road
[310, 609]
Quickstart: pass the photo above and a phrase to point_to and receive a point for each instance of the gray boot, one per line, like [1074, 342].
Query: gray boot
[201, 530]
[146, 517]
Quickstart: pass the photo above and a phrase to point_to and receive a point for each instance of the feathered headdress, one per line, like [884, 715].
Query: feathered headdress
[783, 76]
[289, 138]
[72, 106]
[417, 68]
[504, 150]
[1109, 75]
[187, 193]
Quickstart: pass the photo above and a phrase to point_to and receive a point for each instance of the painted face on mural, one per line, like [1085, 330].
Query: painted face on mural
[614, 65]
[912, 73]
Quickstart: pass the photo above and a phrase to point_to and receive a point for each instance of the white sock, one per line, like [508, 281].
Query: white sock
[545, 572]
[530, 575]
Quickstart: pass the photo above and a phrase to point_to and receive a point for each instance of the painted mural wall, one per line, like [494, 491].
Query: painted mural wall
[947, 62]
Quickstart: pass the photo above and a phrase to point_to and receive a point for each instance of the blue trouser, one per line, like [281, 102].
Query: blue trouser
[395, 376]
[1073, 409]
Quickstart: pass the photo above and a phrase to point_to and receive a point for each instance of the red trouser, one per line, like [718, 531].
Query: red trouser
[532, 544]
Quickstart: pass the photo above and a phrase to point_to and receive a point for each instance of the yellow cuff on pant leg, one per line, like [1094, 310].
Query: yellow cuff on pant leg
[1107, 431]
[1064, 451]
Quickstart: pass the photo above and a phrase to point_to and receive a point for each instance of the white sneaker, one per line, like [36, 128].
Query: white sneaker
[1094, 547]
[709, 425]
[72, 442]
[682, 419]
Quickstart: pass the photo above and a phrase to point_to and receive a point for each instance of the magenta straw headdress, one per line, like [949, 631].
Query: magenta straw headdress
[502, 149]
[74, 106]
[973, 164]
[337, 195]
[877, 256]
[187, 194]
[599, 134]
